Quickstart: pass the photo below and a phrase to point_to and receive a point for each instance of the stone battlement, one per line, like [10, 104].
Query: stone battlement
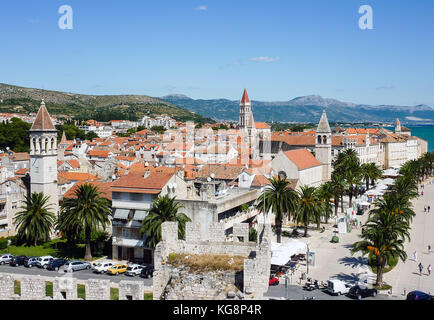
[201, 240]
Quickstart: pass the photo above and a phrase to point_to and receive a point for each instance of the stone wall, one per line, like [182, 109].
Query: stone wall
[253, 280]
[65, 288]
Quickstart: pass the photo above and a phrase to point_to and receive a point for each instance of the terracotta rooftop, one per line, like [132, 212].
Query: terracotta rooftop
[137, 183]
[78, 176]
[104, 187]
[261, 125]
[302, 158]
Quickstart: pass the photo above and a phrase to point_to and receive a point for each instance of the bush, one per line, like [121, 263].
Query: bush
[3, 243]
[253, 235]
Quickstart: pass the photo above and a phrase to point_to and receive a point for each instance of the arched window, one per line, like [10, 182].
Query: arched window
[319, 139]
[324, 139]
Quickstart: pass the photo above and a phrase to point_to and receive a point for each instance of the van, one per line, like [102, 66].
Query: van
[338, 287]
[43, 262]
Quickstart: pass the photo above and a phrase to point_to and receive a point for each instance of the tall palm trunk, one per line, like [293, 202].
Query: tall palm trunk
[380, 265]
[278, 223]
[336, 205]
[367, 184]
[305, 230]
[342, 203]
[88, 254]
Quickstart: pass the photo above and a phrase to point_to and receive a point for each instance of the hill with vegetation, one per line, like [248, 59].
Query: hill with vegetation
[14, 99]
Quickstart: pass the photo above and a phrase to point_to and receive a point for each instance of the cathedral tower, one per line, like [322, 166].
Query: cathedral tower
[323, 146]
[43, 158]
[247, 123]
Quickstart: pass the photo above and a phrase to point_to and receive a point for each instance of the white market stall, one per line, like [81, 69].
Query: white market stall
[282, 252]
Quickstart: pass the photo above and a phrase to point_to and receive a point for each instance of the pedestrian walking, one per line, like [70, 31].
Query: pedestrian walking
[429, 270]
[429, 248]
[422, 193]
[415, 256]
[420, 268]
[429, 208]
[424, 208]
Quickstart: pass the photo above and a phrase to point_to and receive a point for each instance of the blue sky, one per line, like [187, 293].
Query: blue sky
[278, 50]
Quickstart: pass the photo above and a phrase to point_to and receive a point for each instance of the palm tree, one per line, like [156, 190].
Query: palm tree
[370, 173]
[406, 187]
[88, 211]
[326, 194]
[281, 199]
[384, 236]
[339, 186]
[353, 179]
[309, 208]
[35, 221]
[163, 209]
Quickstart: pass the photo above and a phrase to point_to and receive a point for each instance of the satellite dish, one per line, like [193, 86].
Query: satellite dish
[208, 179]
[212, 175]
[174, 185]
[170, 186]
[146, 164]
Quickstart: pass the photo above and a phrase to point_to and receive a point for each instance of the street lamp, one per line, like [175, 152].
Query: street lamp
[307, 258]
[286, 285]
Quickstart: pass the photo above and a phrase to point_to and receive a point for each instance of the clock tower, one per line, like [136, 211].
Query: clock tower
[43, 158]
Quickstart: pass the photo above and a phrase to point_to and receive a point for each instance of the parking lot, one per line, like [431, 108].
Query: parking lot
[80, 275]
[297, 293]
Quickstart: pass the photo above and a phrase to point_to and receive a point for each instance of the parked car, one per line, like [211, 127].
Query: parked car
[17, 261]
[56, 264]
[338, 287]
[134, 270]
[6, 258]
[76, 266]
[147, 271]
[273, 281]
[44, 261]
[31, 261]
[117, 269]
[359, 292]
[102, 267]
[419, 295]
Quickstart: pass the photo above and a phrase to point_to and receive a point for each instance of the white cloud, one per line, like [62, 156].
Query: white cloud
[202, 8]
[265, 59]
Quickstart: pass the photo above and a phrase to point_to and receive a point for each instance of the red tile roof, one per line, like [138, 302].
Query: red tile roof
[43, 120]
[103, 187]
[302, 158]
[137, 183]
[78, 176]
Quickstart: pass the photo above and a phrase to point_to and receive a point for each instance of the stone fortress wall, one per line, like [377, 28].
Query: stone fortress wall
[256, 270]
[65, 288]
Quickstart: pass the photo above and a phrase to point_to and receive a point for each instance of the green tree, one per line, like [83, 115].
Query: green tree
[309, 207]
[326, 194]
[281, 199]
[36, 220]
[88, 211]
[370, 173]
[163, 209]
[383, 236]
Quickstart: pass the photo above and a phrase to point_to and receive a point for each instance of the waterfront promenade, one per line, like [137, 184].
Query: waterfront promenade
[406, 275]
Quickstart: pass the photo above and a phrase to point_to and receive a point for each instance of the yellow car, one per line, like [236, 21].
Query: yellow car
[117, 268]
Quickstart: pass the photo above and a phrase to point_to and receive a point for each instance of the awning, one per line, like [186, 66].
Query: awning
[121, 214]
[140, 215]
[282, 252]
[131, 243]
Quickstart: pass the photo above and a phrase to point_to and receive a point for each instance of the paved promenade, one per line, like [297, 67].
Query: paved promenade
[406, 275]
[336, 261]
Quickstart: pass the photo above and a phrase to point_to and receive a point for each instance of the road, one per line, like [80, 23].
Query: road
[297, 293]
[80, 275]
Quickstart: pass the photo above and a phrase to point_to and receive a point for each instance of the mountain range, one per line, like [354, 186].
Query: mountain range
[14, 99]
[305, 109]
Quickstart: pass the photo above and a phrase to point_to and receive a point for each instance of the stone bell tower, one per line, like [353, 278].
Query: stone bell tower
[323, 146]
[43, 158]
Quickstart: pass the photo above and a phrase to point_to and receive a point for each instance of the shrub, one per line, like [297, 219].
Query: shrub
[253, 235]
[3, 243]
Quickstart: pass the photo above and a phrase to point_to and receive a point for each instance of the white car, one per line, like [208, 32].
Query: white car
[44, 261]
[102, 267]
[134, 270]
[5, 258]
[338, 287]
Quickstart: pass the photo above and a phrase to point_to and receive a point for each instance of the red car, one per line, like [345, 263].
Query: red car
[273, 281]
